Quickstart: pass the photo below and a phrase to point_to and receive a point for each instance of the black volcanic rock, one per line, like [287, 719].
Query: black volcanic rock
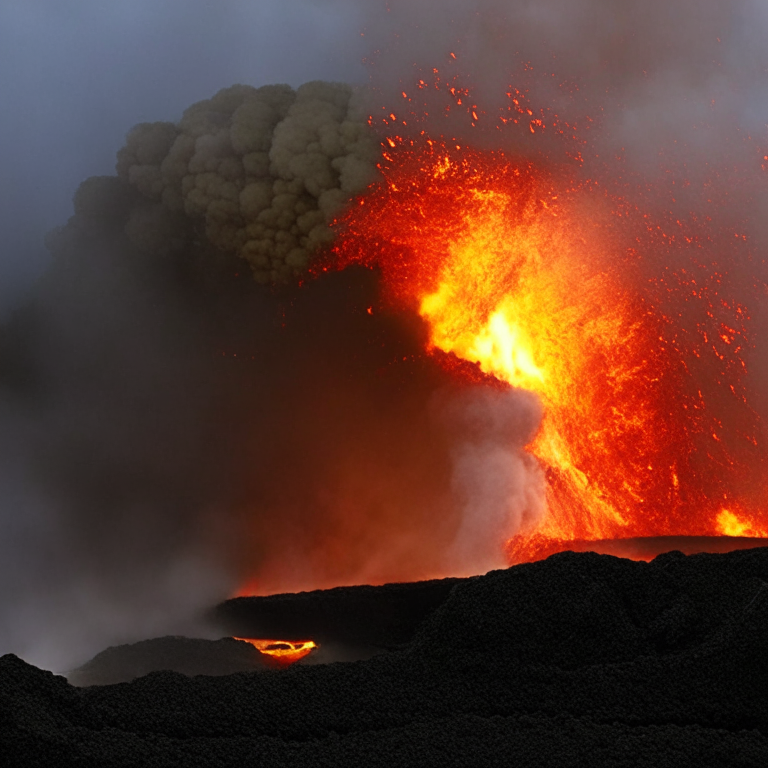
[188, 656]
[580, 660]
[384, 617]
[648, 547]
[572, 611]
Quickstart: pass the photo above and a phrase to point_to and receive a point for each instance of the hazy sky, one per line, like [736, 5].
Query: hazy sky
[76, 75]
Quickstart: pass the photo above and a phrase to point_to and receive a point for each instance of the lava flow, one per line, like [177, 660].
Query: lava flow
[282, 652]
[529, 279]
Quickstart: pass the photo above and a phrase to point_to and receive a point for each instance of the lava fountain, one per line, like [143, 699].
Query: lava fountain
[283, 653]
[528, 278]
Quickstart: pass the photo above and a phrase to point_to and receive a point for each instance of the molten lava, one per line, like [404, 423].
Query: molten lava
[541, 283]
[282, 652]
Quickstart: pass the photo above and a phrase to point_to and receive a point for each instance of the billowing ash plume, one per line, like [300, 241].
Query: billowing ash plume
[259, 171]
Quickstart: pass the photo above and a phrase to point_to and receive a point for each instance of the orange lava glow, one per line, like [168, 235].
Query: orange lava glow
[282, 652]
[730, 524]
[528, 275]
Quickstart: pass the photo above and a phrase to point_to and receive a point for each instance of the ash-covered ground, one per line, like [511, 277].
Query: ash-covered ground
[582, 659]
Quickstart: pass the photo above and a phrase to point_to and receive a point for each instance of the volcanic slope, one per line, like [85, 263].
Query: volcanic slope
[582, 659]
[185, 655]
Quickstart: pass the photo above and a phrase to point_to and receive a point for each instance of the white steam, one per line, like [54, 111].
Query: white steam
[500, 489]
[264, 169]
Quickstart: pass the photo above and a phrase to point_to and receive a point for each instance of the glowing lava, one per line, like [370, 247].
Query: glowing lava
[528, 275]
[282, 652]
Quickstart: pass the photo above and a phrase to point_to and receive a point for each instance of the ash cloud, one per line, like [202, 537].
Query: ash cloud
[257, 173]
[263, 171]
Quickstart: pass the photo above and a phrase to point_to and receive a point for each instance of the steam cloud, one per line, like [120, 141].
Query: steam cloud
[501, 489]
[169, 427]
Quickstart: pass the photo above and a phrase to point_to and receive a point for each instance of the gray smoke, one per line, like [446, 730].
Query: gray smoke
[260, 171]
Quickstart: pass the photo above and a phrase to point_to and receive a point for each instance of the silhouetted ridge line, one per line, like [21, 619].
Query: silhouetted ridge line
[581, 657]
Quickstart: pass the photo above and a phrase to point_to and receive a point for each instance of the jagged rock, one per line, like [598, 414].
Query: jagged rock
[188, 656]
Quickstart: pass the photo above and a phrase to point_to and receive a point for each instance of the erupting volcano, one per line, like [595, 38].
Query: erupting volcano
[529, 278]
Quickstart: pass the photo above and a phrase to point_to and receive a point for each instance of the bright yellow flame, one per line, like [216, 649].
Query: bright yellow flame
[515, 298]
[729, 524]
[501, 346]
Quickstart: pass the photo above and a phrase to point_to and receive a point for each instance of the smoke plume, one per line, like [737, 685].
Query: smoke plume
[260, 171]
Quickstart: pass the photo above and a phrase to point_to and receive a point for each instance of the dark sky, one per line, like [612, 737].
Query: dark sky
[76, 75]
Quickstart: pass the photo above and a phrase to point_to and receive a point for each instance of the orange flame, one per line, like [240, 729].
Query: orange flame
[523, 274]
[731, 524]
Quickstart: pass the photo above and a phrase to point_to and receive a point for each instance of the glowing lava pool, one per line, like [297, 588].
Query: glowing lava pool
[282, 653]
